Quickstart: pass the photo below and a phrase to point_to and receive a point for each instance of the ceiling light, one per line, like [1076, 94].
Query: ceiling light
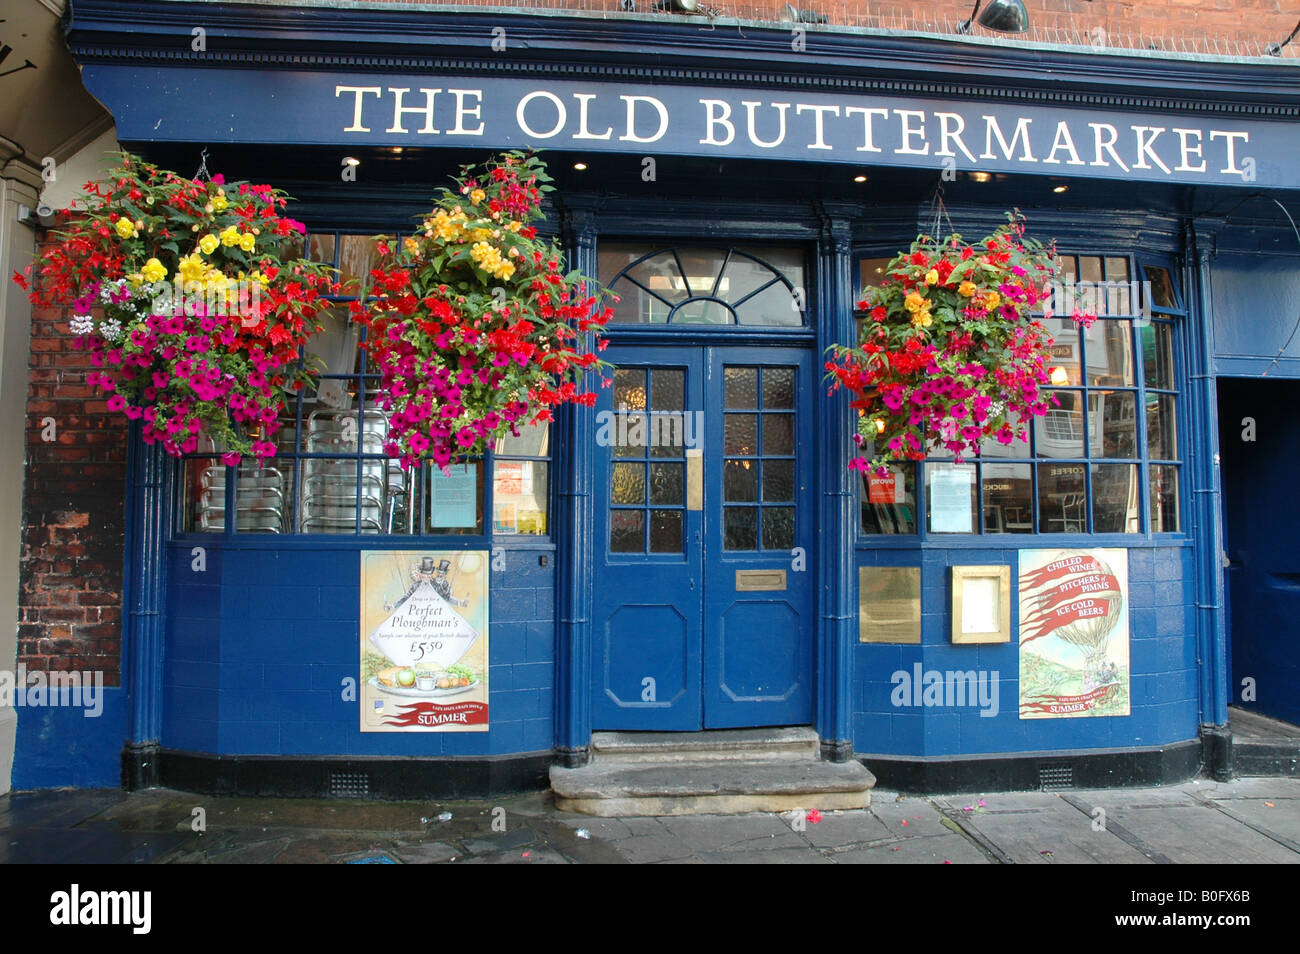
[859, 178]
[1001, 16]
[351, 160]
[981, 176]
[1061, 188]
[580, 166]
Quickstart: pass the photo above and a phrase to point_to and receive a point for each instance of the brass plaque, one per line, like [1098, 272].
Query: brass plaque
[694, 479]
[748, 581]
[889, 604]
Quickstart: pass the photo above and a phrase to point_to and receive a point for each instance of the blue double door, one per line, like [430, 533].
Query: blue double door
[704, 610]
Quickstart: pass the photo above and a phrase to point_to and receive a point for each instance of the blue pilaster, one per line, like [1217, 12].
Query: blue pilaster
[836, 504]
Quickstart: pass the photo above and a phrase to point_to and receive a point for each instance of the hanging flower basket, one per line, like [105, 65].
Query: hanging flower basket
[472, 321]
[949, 354]
[189, 301]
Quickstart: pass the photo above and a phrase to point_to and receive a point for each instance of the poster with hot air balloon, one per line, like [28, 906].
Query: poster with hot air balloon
[1074, 634]
[424, 641]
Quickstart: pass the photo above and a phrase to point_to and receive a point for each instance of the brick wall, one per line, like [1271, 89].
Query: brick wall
[70, 584]
[1228, 27]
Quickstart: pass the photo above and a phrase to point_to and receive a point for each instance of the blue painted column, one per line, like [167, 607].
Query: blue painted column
[837, 499]
[148, 523]
[1207, 512]
[574, 538]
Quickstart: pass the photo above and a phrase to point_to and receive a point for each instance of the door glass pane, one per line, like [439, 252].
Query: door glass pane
[628, 483]
[740, 388]
[740, 434]
[778, 528]
[778, 387]
[666, 484]
[627, 531]
[629, 388]
[665, 531]
[740, 481]
[740, 528]
[667, 389]
[778, 480]
[778, 434]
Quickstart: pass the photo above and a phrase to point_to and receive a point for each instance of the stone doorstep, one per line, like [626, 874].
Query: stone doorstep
[784, 744]
[730, 786]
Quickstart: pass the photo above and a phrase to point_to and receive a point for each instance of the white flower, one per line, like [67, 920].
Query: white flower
[81, 324]
[111, 329]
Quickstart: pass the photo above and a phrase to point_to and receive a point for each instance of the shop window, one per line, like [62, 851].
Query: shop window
[330, 474]
[1106, 458]
[760, 287]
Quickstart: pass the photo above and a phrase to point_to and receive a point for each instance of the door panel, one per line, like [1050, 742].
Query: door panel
[647, 602]
[759, 602]
[704, 604]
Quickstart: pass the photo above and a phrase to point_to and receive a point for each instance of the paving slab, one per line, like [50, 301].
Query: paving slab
[837, 830]
[776, 856]
[1039, 828]
[949, 847]
[757, 832]
[1197, 834]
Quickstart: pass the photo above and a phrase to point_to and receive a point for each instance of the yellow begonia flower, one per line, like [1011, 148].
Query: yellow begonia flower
[248, 241]
[932, 277]
[913, 302]
[229, 236]
[219, 202]
[191, 268]
[125, 228]
[258, 277]
[153, 271]
[992, 301]
[966, 289]
[208, 244]
[515, 226]
[477, 196]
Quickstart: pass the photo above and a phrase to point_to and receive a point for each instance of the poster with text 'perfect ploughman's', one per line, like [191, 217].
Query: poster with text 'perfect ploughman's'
[1074, 633]
[424, 641]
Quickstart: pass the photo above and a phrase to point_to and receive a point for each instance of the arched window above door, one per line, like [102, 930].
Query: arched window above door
[695, 285]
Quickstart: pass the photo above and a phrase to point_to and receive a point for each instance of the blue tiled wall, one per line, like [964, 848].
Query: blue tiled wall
[259, 643]
[1162, 654]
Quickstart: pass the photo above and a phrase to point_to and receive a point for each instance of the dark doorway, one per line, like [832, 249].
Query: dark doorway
[1259, 440]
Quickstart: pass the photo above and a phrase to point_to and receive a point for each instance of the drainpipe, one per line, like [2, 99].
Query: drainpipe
[1216, 738]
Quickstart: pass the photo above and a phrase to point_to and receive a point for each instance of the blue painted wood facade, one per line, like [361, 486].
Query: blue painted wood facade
[247, 657]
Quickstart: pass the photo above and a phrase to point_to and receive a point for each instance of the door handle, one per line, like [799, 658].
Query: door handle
[694, 478]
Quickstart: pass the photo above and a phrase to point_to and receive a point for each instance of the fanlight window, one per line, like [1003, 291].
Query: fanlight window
[705, 286]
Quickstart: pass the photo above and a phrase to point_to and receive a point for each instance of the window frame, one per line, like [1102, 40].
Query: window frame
[292, 455]
[1137, 318]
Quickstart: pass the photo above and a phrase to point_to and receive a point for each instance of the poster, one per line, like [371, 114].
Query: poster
[424, 641]
[1074, 633]
[883, 489]
[453, 496]
[952, 493]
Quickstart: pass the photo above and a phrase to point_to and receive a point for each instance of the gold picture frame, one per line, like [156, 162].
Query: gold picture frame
[981, 604]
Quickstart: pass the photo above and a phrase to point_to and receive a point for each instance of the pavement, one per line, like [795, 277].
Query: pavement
[1249, 820]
